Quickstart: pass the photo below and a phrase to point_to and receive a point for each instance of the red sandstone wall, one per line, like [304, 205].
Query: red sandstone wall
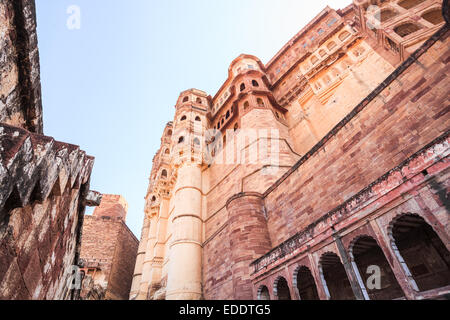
[122, 269]
[37, 248]
[403, 118]
[20, 88]
[109, 242]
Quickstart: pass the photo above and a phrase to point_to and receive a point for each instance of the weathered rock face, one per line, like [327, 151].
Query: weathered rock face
[43, 184]
[20, 88]
[108, 251]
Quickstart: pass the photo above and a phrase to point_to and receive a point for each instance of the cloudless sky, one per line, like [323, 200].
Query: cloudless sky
[111, 86]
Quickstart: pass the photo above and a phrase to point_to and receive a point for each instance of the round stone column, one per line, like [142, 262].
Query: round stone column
[249, 239]
[184, 281]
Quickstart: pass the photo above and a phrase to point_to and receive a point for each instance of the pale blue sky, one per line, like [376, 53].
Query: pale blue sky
[110, 86]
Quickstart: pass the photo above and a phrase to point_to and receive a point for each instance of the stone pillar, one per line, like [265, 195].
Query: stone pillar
[147, 266]
[137, 276]
[353, 275]
[249, 239]
[184, 279]
[404, 277]
[159, 247]
[321, 290]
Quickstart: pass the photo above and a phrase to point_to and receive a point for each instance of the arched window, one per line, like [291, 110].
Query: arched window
[169, 132]
[197, 118]
[218, 125]
[167, 151]
[228, 114]
[255, 83]
[408, 4]
[344, 35]
[242, 88]
[334, 278]
[322, 53]
[416, 243]
[199, 100]
[263, 293]
[277, 114]
[364, 253]
[281, 289]
[153, 199]
[181, 139]
[434, 16]
[246, 105]
[406, 29]
[314, 60]
[306, 285]
[185, 99]
[260, 102]
[331, 45]
[183, 118]
[235, 127]
[221, 122]
[164, 174]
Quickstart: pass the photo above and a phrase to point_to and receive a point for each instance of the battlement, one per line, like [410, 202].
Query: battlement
[113, 206]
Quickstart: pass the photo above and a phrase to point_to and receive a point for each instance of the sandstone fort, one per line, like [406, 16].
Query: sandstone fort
[321, 174]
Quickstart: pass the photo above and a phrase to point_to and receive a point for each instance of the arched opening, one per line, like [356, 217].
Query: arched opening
[370, 260]
[335, 278]
[260, 102]
[331, 45]
[153, 199]
[164, 174]
[198, 119]
[344, 35]
[408, 4]
[235, 127]
[246, 105]
[281, 289]
[263, 293]
[228, 114]
[183, 118]
[167, 151]
[185, 99]
[306, 285]
[255, 83]
[322, 53]
[242, 88]
[169, 132]
[314, 60]
[406, 29]
[434, 16]
[181, 139]
[423, 251]
[199, 100]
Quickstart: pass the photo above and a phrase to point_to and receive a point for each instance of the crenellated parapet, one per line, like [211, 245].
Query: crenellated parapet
[32, 166]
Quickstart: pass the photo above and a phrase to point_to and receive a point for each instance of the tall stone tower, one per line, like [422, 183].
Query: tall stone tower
[243, 179]
[184, 279]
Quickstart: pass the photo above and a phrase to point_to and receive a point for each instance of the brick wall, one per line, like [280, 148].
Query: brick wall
[109, 247]
[386, 129]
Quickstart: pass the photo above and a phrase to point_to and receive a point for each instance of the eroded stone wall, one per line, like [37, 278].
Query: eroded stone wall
[20, 88]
